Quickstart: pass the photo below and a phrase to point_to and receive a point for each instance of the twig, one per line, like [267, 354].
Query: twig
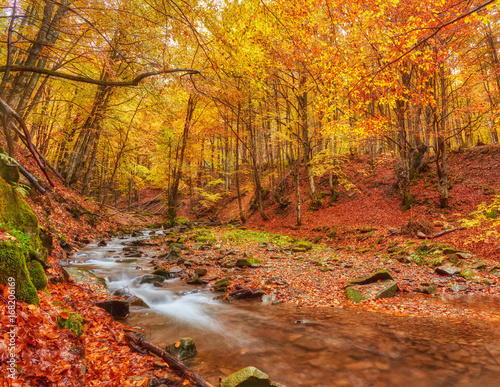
[113, 333]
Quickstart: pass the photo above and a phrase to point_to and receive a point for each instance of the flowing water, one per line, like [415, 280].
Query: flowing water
[303, 347]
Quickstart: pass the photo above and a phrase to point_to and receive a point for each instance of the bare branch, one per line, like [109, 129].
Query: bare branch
[71, 77]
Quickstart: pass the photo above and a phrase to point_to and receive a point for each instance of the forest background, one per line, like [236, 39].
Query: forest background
[211, 98]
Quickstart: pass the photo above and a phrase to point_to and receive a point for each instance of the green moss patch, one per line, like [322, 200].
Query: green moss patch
[72, 322]
[37, 275]
[15, 213]
[13, 267]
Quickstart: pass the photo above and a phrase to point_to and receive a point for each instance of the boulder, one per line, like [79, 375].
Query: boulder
[459, 288]
[467, 273]
[13, 266]
[222, 284]
[37, 275]
[197, 246]
[247, 262]
[447, 270]
[161, 271]
[17, 214]
[463, 255]
[174, 252]
[200, 272]
[246, 293]
[431, 289]
[381, 275]
[126, 260]
[80, 275]
[179, 245]
[383, 289]
[151, 278]
[182, 349]
[176, 271]
[195, 280]
[9, 170]
[47, 240]
[249, 377]
[137, 301]
[302, 247]
[117, 308]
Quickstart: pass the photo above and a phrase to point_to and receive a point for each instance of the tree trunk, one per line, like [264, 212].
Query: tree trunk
[177, 172]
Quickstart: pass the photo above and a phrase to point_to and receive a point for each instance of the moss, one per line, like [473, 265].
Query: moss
[73, 323]
[493, 214]
[13, 265]
[9, 169]
[242, 262]
[152, 278]
[14, 211]
[37, 275]
[354, 294]
[408, 202]
[222, 284]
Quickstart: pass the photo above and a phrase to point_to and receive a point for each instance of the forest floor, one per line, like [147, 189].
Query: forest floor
[342, 250]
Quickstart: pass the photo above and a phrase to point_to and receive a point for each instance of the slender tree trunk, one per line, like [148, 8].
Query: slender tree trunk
[177, 172]
[441, 162]
[297, 195]
[237, 165]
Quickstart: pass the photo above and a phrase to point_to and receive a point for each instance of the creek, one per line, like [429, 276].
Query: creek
[301, 346]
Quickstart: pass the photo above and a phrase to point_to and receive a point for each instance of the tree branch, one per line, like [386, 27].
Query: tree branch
[76, 78]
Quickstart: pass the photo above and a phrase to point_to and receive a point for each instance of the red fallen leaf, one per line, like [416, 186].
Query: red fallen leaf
[64, 315]
[49, 333]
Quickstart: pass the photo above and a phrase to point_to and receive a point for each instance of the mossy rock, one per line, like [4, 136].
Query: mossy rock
[381, 275]
[161, 271]
[37, 275]
[354, 294]
[182, 349]
[247, 262]
[74, 323]
[80, 275]
[302, 247]
[332, 234]
[249, 377]
[151, 278]
[47, 239]
[17, 214]
[222, 284]
[9, 169]
[384, 289]
[204, 236]
[13, 267]
[467, 273]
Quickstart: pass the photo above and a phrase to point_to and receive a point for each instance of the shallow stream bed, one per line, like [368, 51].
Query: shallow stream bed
[302, 346]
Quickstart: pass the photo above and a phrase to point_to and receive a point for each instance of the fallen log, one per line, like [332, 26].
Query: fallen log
[175, 364]
[33, 180]
[441, 233]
